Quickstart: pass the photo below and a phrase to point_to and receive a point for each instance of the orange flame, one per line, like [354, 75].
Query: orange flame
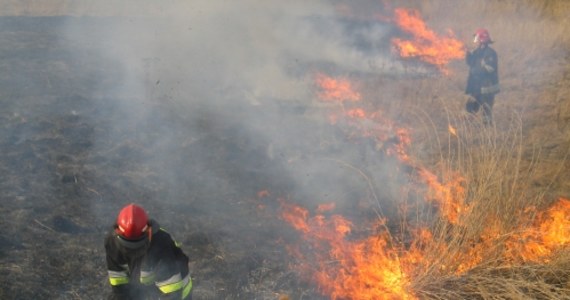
[356, 113]
[335, 89]
[395, 141]
[360, 124]
[399, 148]
[425, 45]
[326, 207]
[451, 130]
[365, 269]
[550, 232]
[377, 267]
[263, 194]
[449, 196]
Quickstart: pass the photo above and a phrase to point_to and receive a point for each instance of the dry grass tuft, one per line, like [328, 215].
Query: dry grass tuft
[471, 259]
[539, 281]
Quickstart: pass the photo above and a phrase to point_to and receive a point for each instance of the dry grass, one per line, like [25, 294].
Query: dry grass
[513, 282]
[499, 186]
[522, 162]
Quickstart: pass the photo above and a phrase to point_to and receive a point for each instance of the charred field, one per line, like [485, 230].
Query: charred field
[68, 168]
[89, 125]
[54, 182]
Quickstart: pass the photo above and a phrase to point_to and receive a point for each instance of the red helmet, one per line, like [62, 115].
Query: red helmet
[482, 36]
[132, 226]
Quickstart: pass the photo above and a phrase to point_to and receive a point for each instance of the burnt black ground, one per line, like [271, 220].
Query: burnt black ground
[63, 181]
[69, 159]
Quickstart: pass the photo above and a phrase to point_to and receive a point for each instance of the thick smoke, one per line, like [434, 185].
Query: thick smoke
[217, 100]
[192, 78]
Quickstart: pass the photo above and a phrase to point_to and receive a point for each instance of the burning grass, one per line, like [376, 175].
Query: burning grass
[490, 234]
[511, 241]
[489, 231]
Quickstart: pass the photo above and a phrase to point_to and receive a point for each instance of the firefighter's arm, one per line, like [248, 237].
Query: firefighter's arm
[120, 287]
[180, 289]
[120, 291]
[118, 276]
[489, 63]
[172, 280]
[175, 285]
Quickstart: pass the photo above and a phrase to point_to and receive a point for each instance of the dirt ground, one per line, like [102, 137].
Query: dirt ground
[67, 168]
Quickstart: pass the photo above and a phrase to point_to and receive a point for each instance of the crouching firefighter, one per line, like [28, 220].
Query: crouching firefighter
[143, 260]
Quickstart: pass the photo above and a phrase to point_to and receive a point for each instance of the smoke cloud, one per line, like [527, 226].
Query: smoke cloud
[221, 96]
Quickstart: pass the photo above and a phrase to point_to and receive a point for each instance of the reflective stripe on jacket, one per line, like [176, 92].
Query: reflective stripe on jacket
[163, 263]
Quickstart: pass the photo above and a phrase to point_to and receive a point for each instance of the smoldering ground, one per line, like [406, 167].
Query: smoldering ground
[191, 110]
[242, 74]
[190, 113]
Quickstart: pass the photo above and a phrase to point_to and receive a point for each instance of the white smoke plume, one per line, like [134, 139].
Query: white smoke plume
[248, 65]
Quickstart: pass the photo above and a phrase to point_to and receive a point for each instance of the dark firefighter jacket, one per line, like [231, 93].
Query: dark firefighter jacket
[161, 269]
[483, 76]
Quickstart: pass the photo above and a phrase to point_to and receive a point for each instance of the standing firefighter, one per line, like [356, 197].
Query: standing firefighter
[143, 261]
[483, 80]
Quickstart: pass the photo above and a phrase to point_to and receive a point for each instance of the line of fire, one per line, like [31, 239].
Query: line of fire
[393, 259]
